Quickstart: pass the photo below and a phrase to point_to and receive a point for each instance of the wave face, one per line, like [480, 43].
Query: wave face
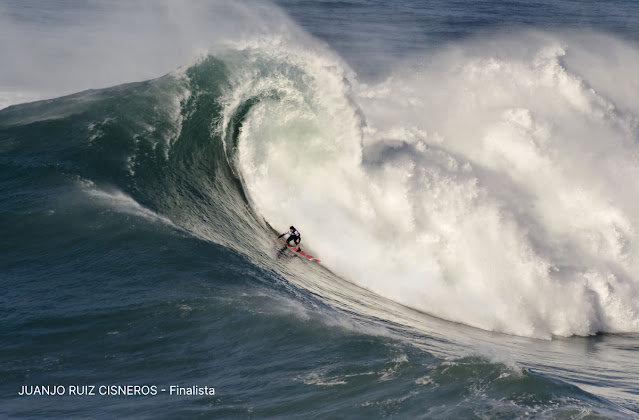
[493, 187]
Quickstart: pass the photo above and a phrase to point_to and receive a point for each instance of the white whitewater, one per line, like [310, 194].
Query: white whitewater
[494, 186]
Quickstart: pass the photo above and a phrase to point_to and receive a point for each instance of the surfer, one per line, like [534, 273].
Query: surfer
[294, 236]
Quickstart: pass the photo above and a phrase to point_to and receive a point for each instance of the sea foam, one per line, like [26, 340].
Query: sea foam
[495, 186]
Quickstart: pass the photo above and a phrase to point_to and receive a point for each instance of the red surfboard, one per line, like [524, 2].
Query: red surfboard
[302, 253]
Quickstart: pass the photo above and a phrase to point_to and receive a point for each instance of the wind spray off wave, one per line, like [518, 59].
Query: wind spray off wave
[495, 186]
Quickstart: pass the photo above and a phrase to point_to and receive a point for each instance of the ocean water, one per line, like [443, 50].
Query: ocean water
[467, 173]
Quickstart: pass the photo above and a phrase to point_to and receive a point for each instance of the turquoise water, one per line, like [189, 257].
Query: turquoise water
[463, 171]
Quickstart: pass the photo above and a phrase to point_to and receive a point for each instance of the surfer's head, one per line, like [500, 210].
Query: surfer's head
[292, 227]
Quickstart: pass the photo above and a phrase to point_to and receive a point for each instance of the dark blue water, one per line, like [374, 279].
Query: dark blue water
[367, 34]
[137, 219]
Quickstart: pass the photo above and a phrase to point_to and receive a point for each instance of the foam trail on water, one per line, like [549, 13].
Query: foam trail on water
[121, 202]
[496, 186]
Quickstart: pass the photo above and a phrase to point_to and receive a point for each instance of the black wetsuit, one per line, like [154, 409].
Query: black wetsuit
[293, 236]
